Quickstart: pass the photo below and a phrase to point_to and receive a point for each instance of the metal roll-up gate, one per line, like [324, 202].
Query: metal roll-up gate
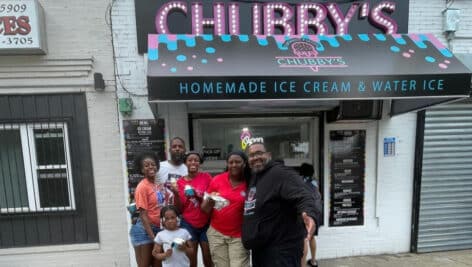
[445, 208]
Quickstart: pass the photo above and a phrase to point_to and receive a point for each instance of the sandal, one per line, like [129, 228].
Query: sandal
[308, 263]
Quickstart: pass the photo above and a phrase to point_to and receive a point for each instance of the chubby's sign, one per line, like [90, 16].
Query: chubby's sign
[269, 17]
[21, 27]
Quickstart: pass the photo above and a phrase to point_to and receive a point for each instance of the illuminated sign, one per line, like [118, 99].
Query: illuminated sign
[22, 27]
[247, 139]
[268, 17]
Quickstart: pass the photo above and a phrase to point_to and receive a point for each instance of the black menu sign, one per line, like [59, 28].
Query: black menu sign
[211, 153]
[142, 136]
[347, 149]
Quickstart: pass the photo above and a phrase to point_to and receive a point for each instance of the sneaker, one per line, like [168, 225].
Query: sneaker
[308, 263]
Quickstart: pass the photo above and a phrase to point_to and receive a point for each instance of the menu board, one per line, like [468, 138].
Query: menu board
[347, 168]
[142, 136]
[211, 153]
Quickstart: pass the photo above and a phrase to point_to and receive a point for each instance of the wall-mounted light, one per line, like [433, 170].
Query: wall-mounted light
[98, 82]
[451, 20]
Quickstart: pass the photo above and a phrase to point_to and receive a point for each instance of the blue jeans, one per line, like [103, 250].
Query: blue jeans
[139, 235]
[198, 234]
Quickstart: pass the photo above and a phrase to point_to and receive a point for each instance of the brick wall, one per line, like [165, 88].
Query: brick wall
[131, 69]
[426, 16]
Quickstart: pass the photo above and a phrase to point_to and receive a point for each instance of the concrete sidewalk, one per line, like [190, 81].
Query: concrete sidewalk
[460, 258]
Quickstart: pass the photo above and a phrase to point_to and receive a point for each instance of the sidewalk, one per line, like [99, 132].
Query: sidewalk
[460, 258]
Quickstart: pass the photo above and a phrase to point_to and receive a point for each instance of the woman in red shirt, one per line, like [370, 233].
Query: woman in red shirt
[191, 189]
[149, 198]
[227, 192]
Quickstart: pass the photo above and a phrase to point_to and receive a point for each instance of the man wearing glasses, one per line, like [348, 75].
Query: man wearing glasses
[279, 212]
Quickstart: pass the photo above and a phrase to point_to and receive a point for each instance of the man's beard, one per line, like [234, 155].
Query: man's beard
[177, 158]
[254, 171]
[260, 169]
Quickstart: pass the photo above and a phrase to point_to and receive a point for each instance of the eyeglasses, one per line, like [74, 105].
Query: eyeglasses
[256, 154]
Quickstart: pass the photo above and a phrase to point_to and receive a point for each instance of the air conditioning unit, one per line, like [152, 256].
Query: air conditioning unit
[358, 110]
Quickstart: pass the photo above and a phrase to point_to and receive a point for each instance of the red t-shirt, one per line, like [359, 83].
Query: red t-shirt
[191, 211]
[229, 219]
[152, 198]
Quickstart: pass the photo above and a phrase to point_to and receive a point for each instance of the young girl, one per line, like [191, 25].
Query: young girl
[172, 245]
[188, 198]
[150, 198]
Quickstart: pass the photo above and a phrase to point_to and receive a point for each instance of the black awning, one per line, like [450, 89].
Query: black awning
[376, 66]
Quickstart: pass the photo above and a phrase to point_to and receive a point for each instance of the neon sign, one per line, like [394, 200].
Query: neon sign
[280, 17]
[247, 139]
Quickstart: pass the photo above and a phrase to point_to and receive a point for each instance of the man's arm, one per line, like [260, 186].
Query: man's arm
[306, 200]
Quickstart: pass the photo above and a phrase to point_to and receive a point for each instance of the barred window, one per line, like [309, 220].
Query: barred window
[35, 168]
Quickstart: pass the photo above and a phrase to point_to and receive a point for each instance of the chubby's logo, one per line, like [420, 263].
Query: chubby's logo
[306, 56]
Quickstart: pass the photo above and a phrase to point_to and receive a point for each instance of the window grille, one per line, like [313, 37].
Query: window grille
[47, 193]
[35, 168]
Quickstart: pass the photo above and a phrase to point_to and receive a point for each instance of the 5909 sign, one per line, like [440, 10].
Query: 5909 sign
[9, 8]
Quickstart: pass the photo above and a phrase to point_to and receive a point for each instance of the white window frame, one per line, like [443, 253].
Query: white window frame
[31, 167]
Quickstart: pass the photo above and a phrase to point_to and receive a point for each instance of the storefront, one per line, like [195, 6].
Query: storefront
[60, 201]
[345, 104]
[242, 69]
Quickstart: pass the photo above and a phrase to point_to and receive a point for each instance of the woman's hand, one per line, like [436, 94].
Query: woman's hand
[146, 223]
[174, 188]
[208, 203]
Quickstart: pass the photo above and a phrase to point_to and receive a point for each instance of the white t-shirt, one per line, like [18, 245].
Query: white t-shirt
[167, 171]
[165, 238]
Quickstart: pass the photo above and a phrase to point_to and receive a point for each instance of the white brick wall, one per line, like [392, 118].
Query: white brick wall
[79, 38]
[426, 16]
[131, 69]
[131, 66]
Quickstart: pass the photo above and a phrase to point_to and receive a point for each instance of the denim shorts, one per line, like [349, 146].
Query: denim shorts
[138, 234]
[198, 234]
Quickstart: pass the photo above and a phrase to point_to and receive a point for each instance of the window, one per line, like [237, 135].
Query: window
[47, 193]
[35, 169]
[287, 138]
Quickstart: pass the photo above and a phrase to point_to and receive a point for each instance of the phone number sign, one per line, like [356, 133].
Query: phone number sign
[22, 29]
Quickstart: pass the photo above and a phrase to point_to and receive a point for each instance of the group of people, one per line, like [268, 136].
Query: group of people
[256, 205]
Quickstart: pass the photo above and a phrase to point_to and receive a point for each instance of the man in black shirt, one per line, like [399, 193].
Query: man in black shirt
[278, 204]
